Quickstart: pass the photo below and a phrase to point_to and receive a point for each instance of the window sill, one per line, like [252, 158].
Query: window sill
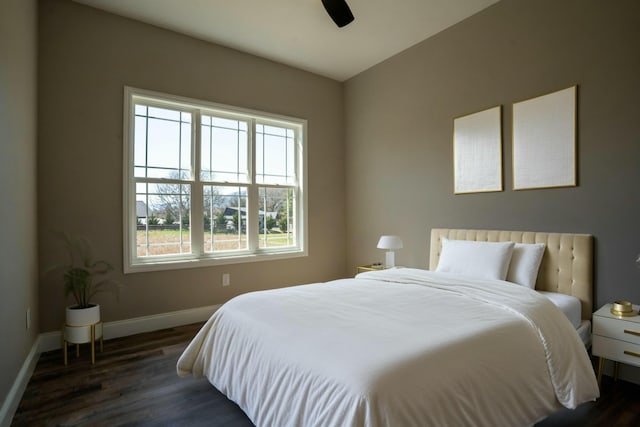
[180, 264]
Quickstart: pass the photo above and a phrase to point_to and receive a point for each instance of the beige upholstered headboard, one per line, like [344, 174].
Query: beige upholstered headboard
[567, 263]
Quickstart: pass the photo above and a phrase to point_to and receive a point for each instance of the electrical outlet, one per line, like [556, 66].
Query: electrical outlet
[28, 318]
[226, 279]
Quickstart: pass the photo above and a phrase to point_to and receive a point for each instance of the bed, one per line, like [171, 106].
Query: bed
[566, 268]
[408, 347]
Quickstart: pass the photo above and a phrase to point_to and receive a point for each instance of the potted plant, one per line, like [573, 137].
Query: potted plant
[83, 278]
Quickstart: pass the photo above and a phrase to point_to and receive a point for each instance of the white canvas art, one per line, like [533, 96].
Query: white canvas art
[544, 141]
[477, 152]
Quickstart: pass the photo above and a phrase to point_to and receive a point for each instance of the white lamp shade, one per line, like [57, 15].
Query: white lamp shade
[390, 242]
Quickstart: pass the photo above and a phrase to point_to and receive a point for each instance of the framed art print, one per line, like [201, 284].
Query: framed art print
[477, 152]
[544, 141]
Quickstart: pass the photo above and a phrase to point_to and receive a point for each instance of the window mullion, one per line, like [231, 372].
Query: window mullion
[253, 216]
[197, 208]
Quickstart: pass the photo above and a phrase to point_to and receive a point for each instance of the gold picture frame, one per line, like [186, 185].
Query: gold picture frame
[477, 152]
[544, 141]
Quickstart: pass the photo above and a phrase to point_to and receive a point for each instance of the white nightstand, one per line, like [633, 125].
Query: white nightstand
[616, 338]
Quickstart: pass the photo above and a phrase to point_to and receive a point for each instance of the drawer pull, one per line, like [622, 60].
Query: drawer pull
[636, 333]
[632, 353]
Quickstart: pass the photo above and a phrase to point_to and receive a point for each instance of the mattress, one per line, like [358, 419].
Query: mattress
[569, 305]
[395, 347]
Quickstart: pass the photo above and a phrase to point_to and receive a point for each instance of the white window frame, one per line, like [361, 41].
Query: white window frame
[198, 257]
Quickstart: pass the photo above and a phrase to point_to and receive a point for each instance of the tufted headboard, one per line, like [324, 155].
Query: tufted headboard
[567, 263]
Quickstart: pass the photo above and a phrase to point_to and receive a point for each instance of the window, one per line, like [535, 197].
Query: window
[207, 184]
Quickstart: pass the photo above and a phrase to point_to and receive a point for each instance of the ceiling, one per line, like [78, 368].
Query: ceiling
[299, 32]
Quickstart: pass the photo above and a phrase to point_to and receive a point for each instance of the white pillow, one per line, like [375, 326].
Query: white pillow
[525, 263]
[484, 260]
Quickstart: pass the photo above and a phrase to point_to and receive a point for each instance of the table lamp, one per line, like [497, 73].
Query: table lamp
[391, 243]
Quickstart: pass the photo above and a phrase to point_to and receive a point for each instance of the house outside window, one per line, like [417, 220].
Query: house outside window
[208, 184]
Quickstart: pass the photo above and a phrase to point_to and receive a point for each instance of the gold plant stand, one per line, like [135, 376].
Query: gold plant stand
[77, 335]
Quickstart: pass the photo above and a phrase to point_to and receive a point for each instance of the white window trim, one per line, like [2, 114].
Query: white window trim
[133, 264]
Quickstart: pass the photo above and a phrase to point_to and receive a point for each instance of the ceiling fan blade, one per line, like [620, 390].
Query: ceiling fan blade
[339, 11]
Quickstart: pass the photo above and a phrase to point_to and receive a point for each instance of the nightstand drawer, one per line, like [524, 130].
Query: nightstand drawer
[619, 351]
[617, 329]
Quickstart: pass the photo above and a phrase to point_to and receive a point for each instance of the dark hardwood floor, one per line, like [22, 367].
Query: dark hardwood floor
[134, 383]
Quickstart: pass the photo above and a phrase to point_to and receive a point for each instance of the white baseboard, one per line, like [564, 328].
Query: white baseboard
[137, 325]
[12, 400]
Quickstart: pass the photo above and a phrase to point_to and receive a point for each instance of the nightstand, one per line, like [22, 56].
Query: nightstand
[370, 267]
[616, 338]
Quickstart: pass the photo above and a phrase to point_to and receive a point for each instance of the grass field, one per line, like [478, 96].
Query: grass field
[169, 242]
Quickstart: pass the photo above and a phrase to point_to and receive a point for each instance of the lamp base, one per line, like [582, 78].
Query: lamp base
[389, 259]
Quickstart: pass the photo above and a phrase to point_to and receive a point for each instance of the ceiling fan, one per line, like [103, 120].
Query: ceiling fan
[339, 11]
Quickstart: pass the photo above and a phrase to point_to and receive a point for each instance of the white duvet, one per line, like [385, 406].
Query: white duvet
[401, 347]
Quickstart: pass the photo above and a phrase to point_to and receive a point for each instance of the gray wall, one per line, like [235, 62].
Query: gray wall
[86, 56]
[399, 121]
[18, 250]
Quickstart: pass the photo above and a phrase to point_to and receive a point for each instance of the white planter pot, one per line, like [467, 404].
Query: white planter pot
[82, 316]
[81, 334]
[78, 323]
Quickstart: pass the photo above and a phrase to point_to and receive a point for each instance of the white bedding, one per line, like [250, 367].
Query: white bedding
[399, 347]
[569, 305]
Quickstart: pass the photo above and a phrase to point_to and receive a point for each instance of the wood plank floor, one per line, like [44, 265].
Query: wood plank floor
[134, 383]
